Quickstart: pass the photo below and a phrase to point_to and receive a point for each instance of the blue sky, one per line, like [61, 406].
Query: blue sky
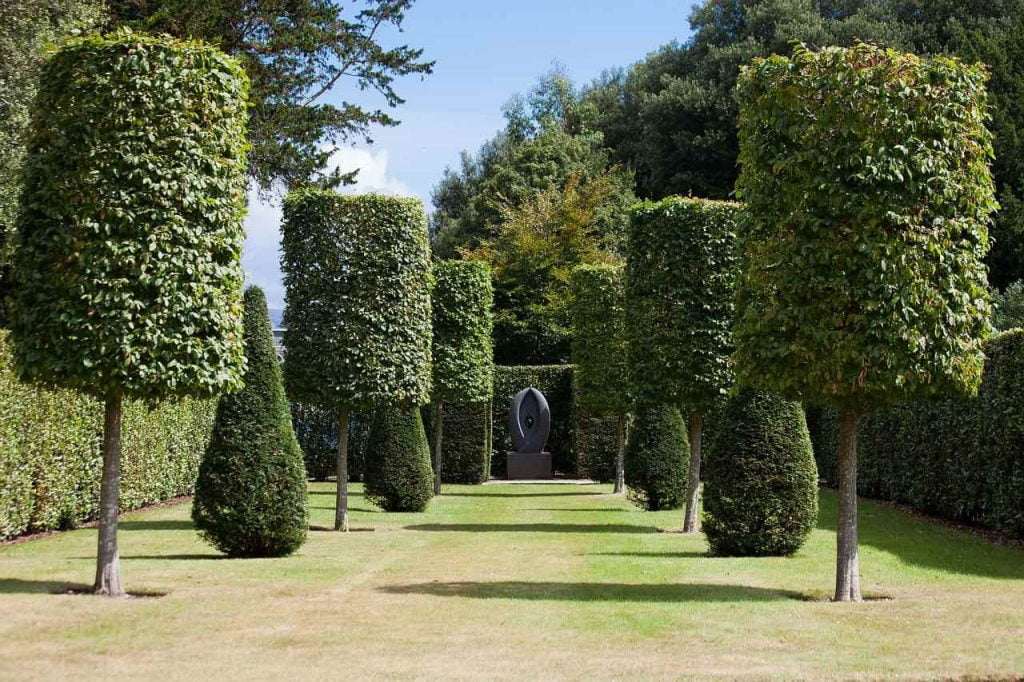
[485, 52]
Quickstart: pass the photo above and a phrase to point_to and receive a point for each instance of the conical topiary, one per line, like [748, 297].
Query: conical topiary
[657, 457]
[397, 471]
[251, 492]
[760, 482]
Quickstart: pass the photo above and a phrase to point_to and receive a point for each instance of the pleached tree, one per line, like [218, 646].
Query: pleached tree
[463, 358]
[357, 308]
[251, 491]
[599, 350]
[680, 280]
[126, 272]
[866, 176]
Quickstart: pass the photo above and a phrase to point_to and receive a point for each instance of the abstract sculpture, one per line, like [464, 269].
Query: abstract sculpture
[529, 422]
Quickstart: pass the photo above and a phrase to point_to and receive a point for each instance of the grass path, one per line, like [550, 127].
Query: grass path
[513, 581]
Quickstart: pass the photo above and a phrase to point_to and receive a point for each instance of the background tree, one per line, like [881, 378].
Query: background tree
[760, 482]
[599, 349]
[295, 52]
[398, 476]
[862, 281]
[151, 204]
[656, 456]
[1009, 307]
[250, 496]
[357, 307]
[672, 117]
[26, 27]
[680, 279]
[463, 366]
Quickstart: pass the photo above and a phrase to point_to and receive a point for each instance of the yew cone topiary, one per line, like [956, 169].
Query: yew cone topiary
[656, 459]
[398, 475]
[251, 492]
[760, 480]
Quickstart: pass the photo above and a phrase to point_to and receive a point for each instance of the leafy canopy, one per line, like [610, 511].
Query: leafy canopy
[126, 267]
[357, 300]
[865, 172]
[599, 339]
[463, 321]
[680, 279]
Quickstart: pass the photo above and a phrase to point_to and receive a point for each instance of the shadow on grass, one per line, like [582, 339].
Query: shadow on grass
[175, 557]
[610, 592]
[167, 524]
[657, 555]
[19, 586]
[925, 543]
[577, 509]
[562, 494]
[365, 510]
[533, 528]
[332, 493]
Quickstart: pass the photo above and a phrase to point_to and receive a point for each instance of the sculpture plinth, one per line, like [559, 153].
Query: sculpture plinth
[529, 422]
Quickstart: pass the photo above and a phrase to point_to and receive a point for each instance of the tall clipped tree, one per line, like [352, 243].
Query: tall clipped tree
[598, 312]
[680, 280]
[251, 491]
[866, 175]
[136, 165]
[357, 307]
[463, 357]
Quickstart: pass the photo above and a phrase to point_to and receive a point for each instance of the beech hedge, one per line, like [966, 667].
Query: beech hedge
[961, 459]
[463, 321]
[50, 459]
[466, 444]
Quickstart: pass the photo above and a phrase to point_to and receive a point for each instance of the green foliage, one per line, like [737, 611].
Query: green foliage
[26, 27]
[462, 353]
[959, 458]
[357, 316]
[1009, 307]
[760, 482]
[295, 51]
[251, 491]
[398, 475]
[657, 456]
[672, 116]
[599, 339]
[680, 277]
[151, 204]
[595, 443]
[50, 453]
[862, 279]
[555, 382]
[466, 441]
[316, 429]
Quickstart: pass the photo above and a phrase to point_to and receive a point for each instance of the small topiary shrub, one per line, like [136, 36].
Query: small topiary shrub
[398, 475]
[656, 459]
[760, 481]
[251, 492]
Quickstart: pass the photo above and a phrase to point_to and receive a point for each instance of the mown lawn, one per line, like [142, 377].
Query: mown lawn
[513, 581]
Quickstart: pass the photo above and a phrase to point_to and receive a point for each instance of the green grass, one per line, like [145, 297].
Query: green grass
[514, 581]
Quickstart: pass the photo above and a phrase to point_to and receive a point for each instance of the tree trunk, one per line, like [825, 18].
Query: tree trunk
[438, 455]
[108, 560]
[847, 568]
[620, 457]
[341, 504]
[696, 431]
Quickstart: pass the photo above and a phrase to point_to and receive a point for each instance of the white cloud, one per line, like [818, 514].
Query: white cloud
[261, 257]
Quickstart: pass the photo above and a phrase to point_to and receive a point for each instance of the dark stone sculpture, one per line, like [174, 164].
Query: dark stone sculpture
[529, 422]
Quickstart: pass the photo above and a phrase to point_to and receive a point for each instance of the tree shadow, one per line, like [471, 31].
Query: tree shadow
[657, 555]
[533, 528]
[562, 494]
[925, 543]
[609, 592]
[577, 509]
[19, 586]
[176, 557]
[166, 524]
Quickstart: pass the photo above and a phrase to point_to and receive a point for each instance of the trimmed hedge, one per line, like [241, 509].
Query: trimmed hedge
[50, 453]
[398, 475]
[251, 490]
[657, 456]
[595, 444]
[599, 339]
[316, 429]
[760, 483]
[462, 323]
[961, 459]
[466, 443]
[555, 382]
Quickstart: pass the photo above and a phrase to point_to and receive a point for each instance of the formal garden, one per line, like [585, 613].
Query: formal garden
[778, 434]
